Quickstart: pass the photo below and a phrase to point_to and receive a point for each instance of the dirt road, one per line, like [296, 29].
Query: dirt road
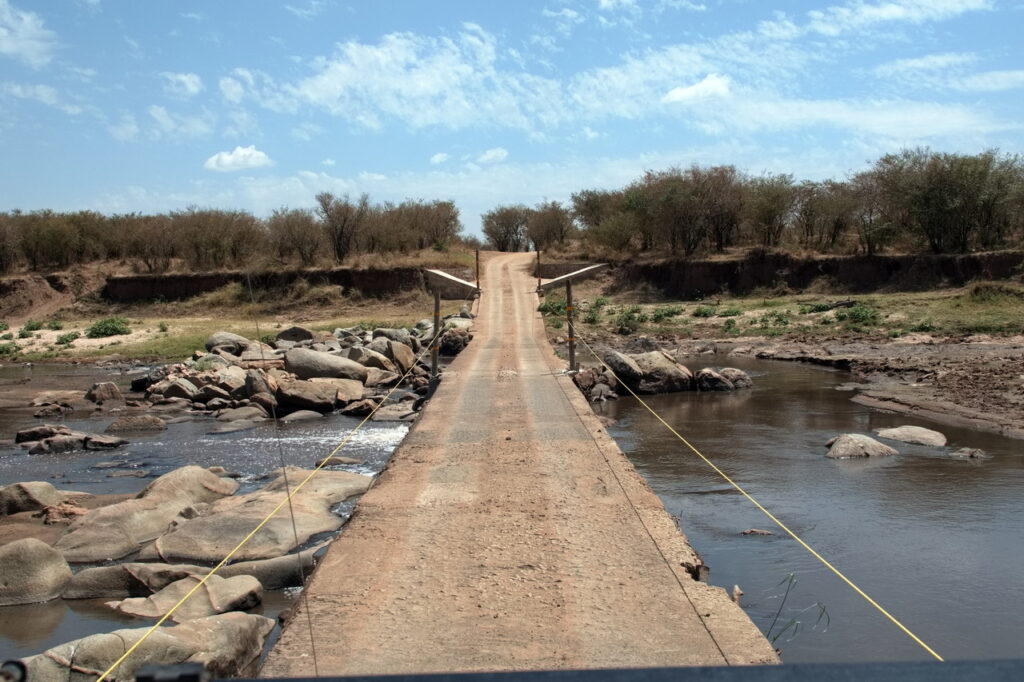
[510, 533]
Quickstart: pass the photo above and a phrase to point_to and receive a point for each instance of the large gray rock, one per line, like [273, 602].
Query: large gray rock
[913, 434]
[370, 358]
[37, 433]
[661, 373]
[857, 445]
[31, 571]
[209, 537]
[104, 392]
[708, 379]
[306, 395]
[180, 388]
[306, 364]
[295, 334]
[395, 334]
[251, 413]
[258, 381]
[378, 377]
[234, 380]
[117, 530]
[624, 367]
[137, 423]
[302, 416]
[401, 355]
[28, 496]
[347, 389]
[232, 343]
[227, 645]
[737, 377]
[217, 595]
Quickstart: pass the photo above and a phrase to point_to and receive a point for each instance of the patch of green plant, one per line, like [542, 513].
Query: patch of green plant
[32, 325]
[54, 325]
[162, 327]
[775, 318]
[24, 333]
[630, 319]
[730, 327]
[557, 323]
[111, 326]
[593, 316]
[552, 307]
[4, 326]
[703, 311]
[923, 326]
[665, 313]
[808, 308]
[66, 339]
[859, 315]
[8, 336]
[600, 302]
[9, 349]
[895, 333]
[268, 338]
[730, 312]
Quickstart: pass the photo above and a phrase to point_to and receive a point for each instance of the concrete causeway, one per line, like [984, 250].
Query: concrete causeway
[509, 532]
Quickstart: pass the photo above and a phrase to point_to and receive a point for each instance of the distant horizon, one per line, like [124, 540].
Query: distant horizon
[122, 107]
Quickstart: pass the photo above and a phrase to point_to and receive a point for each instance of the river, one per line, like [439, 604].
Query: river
[938, 542]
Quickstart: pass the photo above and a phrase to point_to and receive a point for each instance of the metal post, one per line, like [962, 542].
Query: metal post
[572, 328]
[538, 269]
[478, 268]
[434, 373]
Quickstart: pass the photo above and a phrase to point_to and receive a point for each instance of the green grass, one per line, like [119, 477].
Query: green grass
[111, 326]
[32, 325]
[703, 311]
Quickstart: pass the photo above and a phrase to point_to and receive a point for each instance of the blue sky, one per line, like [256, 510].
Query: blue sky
[129, 105]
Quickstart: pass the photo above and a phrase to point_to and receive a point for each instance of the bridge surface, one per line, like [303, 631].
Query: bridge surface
[509, 532]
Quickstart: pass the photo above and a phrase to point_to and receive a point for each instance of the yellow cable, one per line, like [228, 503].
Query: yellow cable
[287, 498]
[767, 513]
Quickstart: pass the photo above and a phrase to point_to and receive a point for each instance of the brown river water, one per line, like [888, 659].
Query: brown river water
[938, 542]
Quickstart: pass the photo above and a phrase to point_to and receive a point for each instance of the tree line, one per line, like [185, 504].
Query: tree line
[211, 239]
[916, 200]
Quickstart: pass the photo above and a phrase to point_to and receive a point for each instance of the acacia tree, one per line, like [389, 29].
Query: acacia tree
[549, 223]
[769, 204]
[505, 227]
[294, 231]
[342, 220]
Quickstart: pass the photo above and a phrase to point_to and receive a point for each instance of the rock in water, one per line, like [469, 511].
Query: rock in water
[857, 445]
[137, 422]
[29, 496]
[708, 379]
[624, 367]
[301, 416]
[970, 453]
[217, 595]
[104, 392]
[31, 571]
[227, 645]
[306, 395]
[306, 364]
[737, 377]
[913, 434]
[661, 373]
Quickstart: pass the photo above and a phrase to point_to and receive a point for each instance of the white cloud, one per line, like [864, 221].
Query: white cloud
[438, 158]
[372, 177]
[192, 16]
[311, 9]
[306, 131]
[240, 158]
[328, 162]
[232, 90]
[24, 37]
[126, 129]
[612, 5]
[992, 81]
[858, 14]
[713, 85]
[931, 62]
[494, 155]
[172, 125]
[182, 84]
[44, 94]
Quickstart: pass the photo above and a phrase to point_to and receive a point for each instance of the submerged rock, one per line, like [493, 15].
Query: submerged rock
[857, 445]
[137, 422]
[913, 434]
[217, 595]
[227, 645]
[31, 571]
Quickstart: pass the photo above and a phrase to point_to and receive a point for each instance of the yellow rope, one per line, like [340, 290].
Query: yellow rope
[279, 507]
[767, 513]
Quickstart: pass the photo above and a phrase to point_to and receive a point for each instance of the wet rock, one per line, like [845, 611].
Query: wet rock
[395, 413]
[226, 341]
[737, 377]
[119, 529]
[661, 373]
[306, 395]
[306, 364]
[370, 358]
[295, 334]
[602, 392]
[154, 375]
[378, 377]
[227, 645]
[217, 595]
[31, 571]
[336, 460]
[301, 416]
[252, 413]
[40, 432]
[137, 423]
[624, 367]
[857, 445]
[970, 453]
[65, 442]
[104, 392]
[51, 411]
[757, 531]
[708, 379]
[233, 427]
[181, 388]
[28, 496]
[212, 535]
[913, 434]
[94, 441]
[359, 408]
[266, 401]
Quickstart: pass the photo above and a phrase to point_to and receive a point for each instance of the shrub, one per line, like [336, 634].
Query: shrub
[730, 327]
[774, 319]
[666, 313]
[552, 307]
[55, 325]
[7, 337]
[859, 315]
[66, 339]
[600, 302]
[24, 333]
[593, 316]
[8, 349]
[32, 325]
[923, 326]
[4, 326]
[112, 326]
[162, 327]
[730, 312]
[703, 311]
[629, 319]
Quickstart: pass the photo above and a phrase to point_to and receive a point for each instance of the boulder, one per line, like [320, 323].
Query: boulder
[913, 434]
[40, 432]
[370, 358]
[306, 364]
[737, 377]
[137, 423]
[359, 408]
[31, 571]
[395, 334]
[211, 392]
[306, 395]
[266, 401]
[295, 334]
[29, 496]
[970, 453]
[661, 373]
[401, 355]
[301, 416]
[252, 413]
[119, 529]
[51, 411]
[209, 537]
[104, 392]
[624, 367]
[857, 445]
[180, 387]
[141, 383]
[226, 341]
[211, 362]
[63, 442]
[378, 377]
[94, 441]
[233, 379]
[227, 645]
[347, 389]
[708, 379]
[258, 381]
[217, 595]
[453, 342]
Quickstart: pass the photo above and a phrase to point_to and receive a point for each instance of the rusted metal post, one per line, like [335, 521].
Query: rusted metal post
[572, 328]
[478, 268]
[538, 269]
[435, 375]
